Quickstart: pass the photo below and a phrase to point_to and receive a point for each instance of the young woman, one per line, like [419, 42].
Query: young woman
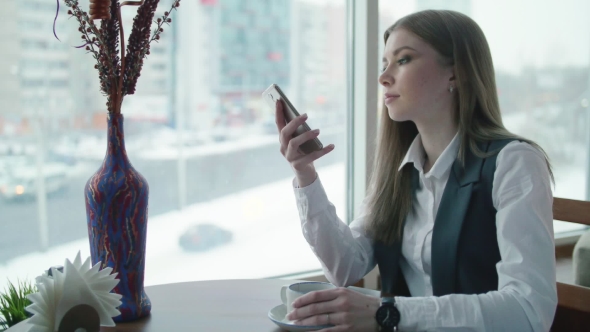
[458, 214]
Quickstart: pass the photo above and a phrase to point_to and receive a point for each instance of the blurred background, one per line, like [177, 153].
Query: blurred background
[221, 197]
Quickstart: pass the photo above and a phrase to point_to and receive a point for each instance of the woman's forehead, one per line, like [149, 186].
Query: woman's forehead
[401, 37]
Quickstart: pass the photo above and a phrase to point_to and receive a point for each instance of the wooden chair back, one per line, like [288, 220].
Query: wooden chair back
[573, 301]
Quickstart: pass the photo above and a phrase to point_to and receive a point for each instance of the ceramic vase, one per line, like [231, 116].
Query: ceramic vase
[116, 210]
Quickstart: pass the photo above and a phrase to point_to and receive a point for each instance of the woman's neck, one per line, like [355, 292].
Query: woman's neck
[435, 138]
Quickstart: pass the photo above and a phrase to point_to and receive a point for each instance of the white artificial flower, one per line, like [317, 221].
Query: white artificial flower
[79, 283]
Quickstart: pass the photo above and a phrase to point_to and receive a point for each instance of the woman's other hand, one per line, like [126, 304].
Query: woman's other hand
[344, 308]
[301, 163]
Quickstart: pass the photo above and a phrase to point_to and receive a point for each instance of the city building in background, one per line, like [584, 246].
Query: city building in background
[211, 68]
[227, 53]
[151, 102]
[9, 68]
[318, 67]
[41, 75]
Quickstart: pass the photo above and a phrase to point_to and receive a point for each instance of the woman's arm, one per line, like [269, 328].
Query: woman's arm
[345, 252]
[526, 298]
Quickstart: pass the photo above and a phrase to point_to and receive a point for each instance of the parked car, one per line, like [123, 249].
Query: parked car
[203, 237]
[20, 183]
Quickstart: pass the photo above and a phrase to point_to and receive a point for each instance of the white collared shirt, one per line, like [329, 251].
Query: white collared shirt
[416, 247]
[526, 298]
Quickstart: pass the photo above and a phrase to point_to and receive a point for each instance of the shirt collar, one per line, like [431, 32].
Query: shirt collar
[416, 155]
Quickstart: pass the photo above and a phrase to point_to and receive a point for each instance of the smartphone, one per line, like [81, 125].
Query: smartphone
[274, 93]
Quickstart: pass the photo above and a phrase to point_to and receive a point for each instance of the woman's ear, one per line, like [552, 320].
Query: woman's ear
[452, 74]
[452, 84]
[448, 73]
[449, 68]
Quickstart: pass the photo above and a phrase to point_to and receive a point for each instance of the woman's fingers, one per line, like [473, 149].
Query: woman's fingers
[290, 128]
[321, 319]
[296, 142]
[313, 303]
[286, 134]
[318, 308]
[344, 308]
[312, 311]
[300, 162]
[279, 116]
[317, 296]
[282, 123]
[289, 145]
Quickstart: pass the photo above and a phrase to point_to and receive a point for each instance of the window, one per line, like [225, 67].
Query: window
[31, 44]
[33, 83]
[542, 76]
[37, 6]
[234, 179]
[31, 25]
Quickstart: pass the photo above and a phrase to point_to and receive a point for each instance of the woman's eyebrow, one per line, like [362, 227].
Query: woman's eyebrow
[399, 50]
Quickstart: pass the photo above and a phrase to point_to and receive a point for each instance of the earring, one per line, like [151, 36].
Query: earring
[450, 88]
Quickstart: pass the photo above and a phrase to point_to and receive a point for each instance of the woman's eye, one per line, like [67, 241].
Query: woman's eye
[384, 68]
[403, 60]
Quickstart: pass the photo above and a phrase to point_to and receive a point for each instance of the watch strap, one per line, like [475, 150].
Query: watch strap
[388, 302]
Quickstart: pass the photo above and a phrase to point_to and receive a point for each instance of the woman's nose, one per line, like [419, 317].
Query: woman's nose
[385, 79]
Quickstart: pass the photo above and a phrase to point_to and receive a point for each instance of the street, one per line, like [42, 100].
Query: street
[208, 177]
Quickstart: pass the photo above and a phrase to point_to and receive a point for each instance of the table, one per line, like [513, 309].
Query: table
[212, 306]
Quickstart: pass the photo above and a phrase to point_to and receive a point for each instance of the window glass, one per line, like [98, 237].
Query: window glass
[221, 202]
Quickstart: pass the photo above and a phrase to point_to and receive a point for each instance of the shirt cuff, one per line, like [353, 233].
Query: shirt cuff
[307, 189]
[311, 199]
[415, 312]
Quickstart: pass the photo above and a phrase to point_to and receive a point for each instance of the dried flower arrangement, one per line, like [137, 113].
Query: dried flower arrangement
[118, 74]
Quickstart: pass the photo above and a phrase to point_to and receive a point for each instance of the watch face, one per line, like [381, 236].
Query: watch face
[387, 316]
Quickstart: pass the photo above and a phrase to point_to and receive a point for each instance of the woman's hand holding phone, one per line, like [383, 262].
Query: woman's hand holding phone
[301, 163]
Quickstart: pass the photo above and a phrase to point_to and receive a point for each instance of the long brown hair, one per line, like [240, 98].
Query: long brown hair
[461, 43]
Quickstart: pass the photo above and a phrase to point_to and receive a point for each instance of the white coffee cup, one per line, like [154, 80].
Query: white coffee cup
[290, 293]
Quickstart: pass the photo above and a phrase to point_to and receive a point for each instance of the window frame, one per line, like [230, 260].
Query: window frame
[362, 64]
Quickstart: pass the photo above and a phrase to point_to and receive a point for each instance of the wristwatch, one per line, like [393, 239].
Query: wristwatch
[387, 315]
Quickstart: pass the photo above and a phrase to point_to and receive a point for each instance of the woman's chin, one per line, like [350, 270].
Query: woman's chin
[397, 116]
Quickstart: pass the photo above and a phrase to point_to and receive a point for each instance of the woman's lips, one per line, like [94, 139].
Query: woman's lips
[390, 98]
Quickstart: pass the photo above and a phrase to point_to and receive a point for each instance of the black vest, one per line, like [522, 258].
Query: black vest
[464, 243]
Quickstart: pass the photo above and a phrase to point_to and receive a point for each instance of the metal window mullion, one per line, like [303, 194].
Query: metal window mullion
[362, 64]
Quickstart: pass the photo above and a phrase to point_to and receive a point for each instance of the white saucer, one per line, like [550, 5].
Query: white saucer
[278, 313]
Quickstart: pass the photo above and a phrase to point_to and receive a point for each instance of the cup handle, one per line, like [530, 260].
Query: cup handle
[284, 294]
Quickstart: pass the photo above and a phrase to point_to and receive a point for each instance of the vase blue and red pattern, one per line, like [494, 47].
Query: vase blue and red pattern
[116, 211]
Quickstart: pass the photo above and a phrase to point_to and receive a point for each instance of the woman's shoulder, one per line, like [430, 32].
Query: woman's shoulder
[517, 149]
[512, 149]
[520, 159]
